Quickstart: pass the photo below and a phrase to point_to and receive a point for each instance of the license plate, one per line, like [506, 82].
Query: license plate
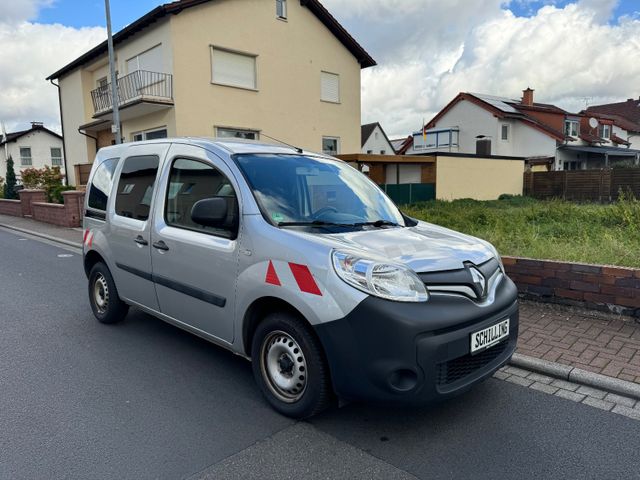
[489, 336]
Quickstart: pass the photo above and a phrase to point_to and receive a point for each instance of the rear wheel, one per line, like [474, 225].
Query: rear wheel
[103, 296]
[289, 366]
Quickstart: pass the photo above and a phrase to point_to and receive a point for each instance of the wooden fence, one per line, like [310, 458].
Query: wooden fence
[583, 185]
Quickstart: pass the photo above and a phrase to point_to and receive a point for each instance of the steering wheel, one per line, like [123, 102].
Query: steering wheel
[323, 210]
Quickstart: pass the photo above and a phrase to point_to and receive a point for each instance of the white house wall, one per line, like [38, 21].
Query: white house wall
[379, 144]
[473, 120]
[40, 143]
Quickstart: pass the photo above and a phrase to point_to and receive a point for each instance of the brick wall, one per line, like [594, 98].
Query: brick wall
[605, 288]
[10, 207]
[28, 197]
[67, 215]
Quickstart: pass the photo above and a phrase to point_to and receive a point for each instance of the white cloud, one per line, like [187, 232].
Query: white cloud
[429, 51]
[29, 53]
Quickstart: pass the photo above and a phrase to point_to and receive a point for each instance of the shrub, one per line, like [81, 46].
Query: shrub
[10, 185]
[31, 178]
[1, 187]
[47, 178]
[55, 195]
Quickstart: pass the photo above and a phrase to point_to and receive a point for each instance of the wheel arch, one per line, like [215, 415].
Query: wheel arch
[259, 309]
[90, 259]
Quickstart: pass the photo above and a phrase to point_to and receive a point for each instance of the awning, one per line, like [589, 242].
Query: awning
[610, 151]
[95, 126]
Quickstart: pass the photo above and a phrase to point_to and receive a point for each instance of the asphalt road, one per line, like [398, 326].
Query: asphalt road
[143, 399]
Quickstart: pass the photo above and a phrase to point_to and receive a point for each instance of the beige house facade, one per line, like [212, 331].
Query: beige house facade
[228, 68]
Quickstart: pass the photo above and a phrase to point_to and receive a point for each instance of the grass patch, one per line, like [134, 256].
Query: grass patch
[555, 230]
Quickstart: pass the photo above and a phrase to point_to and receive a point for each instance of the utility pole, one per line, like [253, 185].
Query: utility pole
[115, 128]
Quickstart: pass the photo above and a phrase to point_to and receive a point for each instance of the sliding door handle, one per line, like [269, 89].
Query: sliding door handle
[160, 246]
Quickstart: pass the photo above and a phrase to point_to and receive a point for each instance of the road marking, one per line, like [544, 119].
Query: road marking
[65, 255]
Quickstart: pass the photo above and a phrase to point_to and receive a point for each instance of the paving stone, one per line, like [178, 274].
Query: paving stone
[601, 404]
[501, 375]
[519, 380]
[573, 396]
[563, 384]
[517, 371]
[536, 377]
[627, 412]
[592, 392]
[543, 387]
[620, 400]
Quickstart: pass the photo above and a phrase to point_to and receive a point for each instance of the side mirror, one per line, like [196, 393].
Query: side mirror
[210, 212]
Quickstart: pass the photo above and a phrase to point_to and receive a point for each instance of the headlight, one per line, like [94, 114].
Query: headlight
[393, 282]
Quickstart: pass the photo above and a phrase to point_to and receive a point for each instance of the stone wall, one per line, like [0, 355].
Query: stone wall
[606, 288]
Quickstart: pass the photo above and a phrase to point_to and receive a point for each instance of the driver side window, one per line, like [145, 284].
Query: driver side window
[191, 181]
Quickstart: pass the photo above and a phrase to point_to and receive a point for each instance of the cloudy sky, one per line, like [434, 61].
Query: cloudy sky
[571, 52]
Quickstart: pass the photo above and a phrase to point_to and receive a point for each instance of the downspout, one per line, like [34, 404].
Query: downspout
[95, 139]
[64, 138]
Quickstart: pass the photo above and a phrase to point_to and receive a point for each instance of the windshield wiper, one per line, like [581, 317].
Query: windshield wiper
[377, 223]
[314, 223]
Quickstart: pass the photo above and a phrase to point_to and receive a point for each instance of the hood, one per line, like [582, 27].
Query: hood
[423, 248]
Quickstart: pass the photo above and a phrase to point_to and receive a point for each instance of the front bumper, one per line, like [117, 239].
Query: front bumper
[416, 353]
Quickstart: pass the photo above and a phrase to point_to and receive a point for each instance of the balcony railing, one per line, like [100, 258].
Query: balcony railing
[138, 85]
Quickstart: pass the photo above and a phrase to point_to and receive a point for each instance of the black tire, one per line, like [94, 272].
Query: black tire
[114, 309]
[316, 393]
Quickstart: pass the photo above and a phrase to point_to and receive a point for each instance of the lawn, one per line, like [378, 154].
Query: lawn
[554, 230]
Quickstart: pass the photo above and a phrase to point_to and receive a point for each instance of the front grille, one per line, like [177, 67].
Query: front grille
[458, 368]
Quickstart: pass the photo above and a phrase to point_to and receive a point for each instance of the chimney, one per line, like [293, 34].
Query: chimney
[37, 124]
[527, 97]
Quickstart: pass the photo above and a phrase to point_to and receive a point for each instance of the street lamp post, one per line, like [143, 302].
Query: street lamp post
[115, 128]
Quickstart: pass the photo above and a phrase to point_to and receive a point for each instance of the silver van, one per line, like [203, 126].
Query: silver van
[300, 263]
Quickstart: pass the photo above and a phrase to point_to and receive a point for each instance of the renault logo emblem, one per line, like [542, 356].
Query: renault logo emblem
[479, 282]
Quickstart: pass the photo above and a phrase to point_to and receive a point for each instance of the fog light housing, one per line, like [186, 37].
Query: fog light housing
[403, 380]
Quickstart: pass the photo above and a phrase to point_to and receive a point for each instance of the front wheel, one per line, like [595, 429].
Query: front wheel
[289, 366]
[103, 296]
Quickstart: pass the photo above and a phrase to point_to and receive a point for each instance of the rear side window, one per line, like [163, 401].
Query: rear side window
[135, 188]
[191, 181]
[101, 184]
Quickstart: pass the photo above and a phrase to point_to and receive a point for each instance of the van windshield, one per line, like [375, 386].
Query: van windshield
[300, 190]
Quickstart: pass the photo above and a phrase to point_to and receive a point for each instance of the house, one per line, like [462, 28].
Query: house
[255, 69]
[374, 140]
[33, 148]
[546, 135]
[625, 114]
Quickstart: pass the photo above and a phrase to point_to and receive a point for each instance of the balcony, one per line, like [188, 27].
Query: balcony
[139, 93]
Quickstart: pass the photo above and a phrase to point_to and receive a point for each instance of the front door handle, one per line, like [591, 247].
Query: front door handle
[140, 241]
[161, 246]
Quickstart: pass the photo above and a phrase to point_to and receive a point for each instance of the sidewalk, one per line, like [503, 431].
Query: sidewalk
[44, 230]
[598, 342]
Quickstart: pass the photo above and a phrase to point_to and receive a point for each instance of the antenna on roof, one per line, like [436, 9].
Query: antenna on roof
[586, 101]
[297, 149]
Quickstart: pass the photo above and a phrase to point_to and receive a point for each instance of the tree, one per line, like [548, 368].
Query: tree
[10, 185]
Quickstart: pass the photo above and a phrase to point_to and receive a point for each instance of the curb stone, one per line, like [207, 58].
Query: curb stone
[577, 375]
[41, 235]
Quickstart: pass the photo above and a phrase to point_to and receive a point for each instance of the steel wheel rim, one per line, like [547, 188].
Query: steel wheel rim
[101, 293]
[283, 366]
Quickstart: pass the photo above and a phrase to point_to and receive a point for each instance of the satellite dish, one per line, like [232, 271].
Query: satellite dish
[593, 122]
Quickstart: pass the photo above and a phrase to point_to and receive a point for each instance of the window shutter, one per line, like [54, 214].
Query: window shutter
[234, 69]
[330, 87]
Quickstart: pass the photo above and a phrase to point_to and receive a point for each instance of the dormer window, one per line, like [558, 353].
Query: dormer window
[281, 9]
[605, 131]
[571, 128]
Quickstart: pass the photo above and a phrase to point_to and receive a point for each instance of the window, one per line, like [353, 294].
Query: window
[233, 69]
[101, 184]
[382, 152]
[223, 132]
[102, 82]
[435, 139]
[330, 145]
[281, 9]
[135, 188]
[605, 131]
[25, 155]
[191, 181]
[149, 134]
[504, 133]
[572, 128]
[329, 87]
[149, 61]
[56, 156]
